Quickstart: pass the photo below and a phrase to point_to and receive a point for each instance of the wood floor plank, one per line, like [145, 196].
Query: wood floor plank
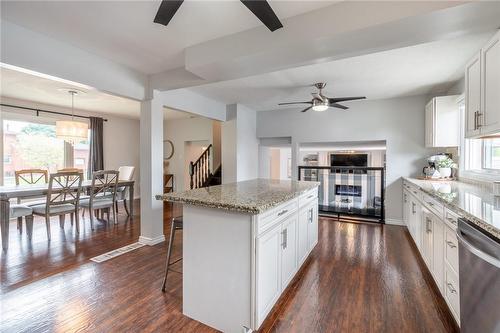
[359, 278]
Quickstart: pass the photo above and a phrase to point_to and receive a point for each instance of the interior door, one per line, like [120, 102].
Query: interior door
[288, 250]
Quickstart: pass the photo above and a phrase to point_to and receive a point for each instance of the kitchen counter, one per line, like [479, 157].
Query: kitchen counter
[242, 244]
[252, 196]
[474, 202]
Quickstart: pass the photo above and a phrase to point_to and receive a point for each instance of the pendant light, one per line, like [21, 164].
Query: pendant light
[69, 130]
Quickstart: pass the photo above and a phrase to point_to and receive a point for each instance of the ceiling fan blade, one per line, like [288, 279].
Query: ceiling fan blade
[264, 13]
[338, 106]
[295, 103]
[345, 99]
[306, 109]
[167, 10]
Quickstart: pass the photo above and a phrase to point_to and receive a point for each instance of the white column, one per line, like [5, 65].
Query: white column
[151, 170]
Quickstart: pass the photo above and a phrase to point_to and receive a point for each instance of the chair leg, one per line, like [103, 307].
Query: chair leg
[72, 217]
[29, 226]
[61, 220]
[47, 225]
[77, 221]
[125, 206]
[114, 213]
[91, 214]
[116, 206]
[83, 212]
[169, 252]
[20, 224]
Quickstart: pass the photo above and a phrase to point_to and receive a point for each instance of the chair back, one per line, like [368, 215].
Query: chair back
[64, 188]
[126, 172]
[104, 183]
[32, 176]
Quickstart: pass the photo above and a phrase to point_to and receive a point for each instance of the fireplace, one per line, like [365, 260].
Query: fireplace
[349, 190]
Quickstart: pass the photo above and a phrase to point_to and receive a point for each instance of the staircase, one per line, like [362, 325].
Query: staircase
[200, 171]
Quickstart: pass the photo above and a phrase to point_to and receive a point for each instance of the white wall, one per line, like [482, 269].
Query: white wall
[400, 122]
[121, 135]
[180, 131]
[240, 146]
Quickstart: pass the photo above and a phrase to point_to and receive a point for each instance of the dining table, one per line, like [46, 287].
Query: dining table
[9, 192]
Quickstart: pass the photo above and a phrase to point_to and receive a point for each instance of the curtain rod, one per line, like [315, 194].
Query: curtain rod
[46, 111]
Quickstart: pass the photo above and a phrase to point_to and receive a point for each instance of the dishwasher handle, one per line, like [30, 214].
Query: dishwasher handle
[482, 255]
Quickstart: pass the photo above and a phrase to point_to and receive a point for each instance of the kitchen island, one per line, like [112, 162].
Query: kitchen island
[242, 245]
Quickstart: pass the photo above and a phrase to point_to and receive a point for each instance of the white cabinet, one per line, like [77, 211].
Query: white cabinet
[472, 96]
[490, 58]
[302, 241]
[438, 251]
[312, 226]
[268, 270]
[415, 220]
[288, 250]
[286, 236]
[427, 238]
[482, 86]
[442, 122]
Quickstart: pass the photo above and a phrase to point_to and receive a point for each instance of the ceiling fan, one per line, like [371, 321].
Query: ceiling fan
[259, 8]
[320, 102]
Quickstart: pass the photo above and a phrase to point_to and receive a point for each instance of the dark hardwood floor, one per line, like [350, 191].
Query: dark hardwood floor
[359, 278]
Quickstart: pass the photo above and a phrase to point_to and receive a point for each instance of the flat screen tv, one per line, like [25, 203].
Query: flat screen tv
[348, 160]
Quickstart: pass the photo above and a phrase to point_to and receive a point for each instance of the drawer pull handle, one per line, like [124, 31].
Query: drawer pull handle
[430, 204]
[451, 244]
[451, 289]
[283, 212]
[309, 197]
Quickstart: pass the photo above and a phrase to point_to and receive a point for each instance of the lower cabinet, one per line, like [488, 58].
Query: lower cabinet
[288, 250]
[437, 243]
[280, 251]
[268, 271]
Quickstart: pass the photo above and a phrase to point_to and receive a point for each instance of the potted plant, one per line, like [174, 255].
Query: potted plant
[444, 167]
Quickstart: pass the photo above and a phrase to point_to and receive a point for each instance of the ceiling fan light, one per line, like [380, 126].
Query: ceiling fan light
[320, 107]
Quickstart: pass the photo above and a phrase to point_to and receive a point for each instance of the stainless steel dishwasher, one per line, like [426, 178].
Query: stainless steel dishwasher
[479, 268]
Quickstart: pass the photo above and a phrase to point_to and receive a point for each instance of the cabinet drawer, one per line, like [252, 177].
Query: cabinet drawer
[267, 219]
[451, 291]
[307, 197]
[451, 248]
[451, 218]
[433, 205]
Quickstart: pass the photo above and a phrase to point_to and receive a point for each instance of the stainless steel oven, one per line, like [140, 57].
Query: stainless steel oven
[479, 266]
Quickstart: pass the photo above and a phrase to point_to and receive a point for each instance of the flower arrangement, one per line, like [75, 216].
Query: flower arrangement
[446, 163]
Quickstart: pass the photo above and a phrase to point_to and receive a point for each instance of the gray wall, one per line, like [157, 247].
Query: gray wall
[400, 122]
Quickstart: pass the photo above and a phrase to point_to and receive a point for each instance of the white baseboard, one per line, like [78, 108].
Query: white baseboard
[151, 241]
[394, 222]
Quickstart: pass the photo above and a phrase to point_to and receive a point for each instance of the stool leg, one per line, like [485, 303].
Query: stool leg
[169, 252]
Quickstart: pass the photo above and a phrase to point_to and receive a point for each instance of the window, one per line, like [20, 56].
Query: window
[29, 145]
[491, 153]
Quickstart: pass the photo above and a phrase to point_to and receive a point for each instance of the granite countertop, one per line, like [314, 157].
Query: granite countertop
[251, 196]
[474, 202]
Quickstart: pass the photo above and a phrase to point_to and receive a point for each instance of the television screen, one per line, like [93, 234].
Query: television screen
[349, 160]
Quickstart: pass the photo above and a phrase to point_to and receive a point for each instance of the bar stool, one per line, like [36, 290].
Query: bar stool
[176, 225]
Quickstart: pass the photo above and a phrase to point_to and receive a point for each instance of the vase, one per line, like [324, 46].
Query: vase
[445, 172]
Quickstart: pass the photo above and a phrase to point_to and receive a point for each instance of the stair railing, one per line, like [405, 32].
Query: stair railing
[199, 171]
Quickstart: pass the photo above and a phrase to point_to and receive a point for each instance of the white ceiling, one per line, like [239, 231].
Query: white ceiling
[420, 69]
[123, 31]
[37, 89]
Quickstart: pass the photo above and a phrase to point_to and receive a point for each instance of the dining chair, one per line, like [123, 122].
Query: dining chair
[125, 173]
[30, 177]
[63, 197]
[70, 170]
[19, 211]
[102, 194]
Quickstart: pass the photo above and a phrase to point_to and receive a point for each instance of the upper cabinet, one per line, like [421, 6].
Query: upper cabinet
[442, 122]
[482, 91]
